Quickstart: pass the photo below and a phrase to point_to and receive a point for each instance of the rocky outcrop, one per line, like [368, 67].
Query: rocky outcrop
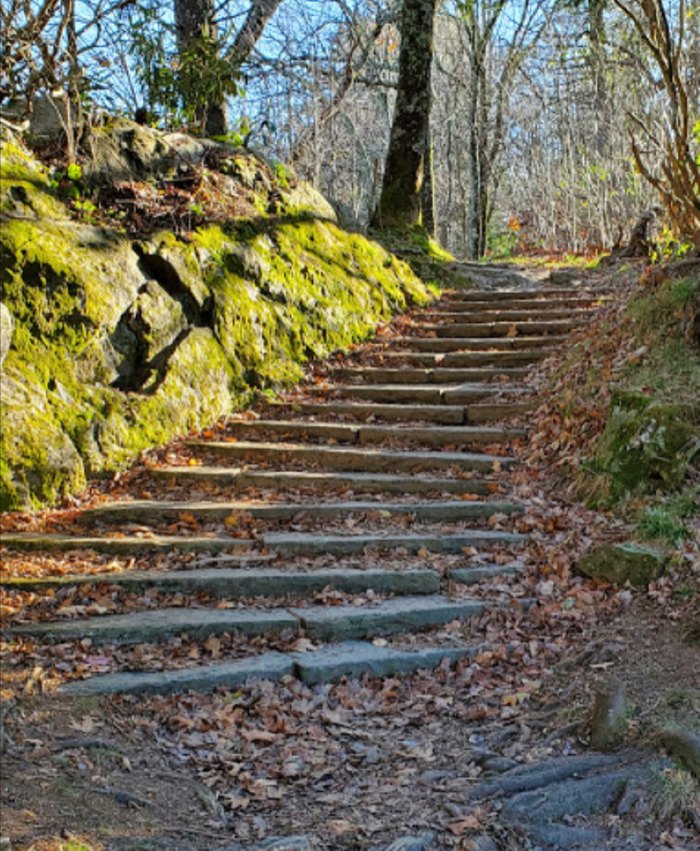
[121, 343]
[647, 444]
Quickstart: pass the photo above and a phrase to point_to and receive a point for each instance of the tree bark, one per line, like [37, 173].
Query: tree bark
[428, 209]
[193, 19]
[400, 198]
[258, 15]
[597, 62]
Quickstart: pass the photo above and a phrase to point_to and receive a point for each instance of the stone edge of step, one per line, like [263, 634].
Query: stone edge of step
[351, 658]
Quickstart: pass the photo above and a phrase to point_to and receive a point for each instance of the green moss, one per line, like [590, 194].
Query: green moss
[646, 445]
[620, 563]
[106, 362]
[651, 439]
[422, 239]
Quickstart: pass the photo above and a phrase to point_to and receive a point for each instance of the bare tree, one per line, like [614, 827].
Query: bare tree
[677, 179]
[489, 88]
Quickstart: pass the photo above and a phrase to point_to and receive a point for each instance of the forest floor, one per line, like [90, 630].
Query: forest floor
[489, 753]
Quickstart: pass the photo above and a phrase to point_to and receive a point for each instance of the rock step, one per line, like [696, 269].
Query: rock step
[330, 663]
[284, 543]
[448, 305]
[495, 411]
[461, 344]
[470, 296]
[431, 394]
[233, 583]
[494, 359]
[417, 375]
[363, 434]
[341, 458]
[473, 575]
[356, 482]
[149, 511]
[534, 311]
[129, 544]
[303, 543]
[323, 623]
[444, 414]
[466, 328]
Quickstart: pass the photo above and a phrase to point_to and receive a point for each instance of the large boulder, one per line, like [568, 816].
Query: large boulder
[620, 563]
[120, 345]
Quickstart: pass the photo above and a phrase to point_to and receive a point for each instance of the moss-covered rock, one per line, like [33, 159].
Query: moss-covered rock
[121, 345]
[646, 443]
[39, 462]
[620, 563]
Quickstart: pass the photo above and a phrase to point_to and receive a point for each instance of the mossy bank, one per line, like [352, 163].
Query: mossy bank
[651, 440]
[121, 343]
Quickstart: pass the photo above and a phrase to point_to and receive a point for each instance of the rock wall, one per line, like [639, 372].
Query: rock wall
[119, 344]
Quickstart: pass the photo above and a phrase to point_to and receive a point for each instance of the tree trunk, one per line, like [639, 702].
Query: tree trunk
[194, 19]
[474, 156]
[258, 15]
[428, 209]
[400, 199]
[597, 61]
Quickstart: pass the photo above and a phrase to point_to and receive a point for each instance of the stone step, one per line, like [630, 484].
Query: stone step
[342, 458]
[390, 617]
[325, 665]
[463, 344]
[439, 435]
[304, 543]
[444, 414]
[532, 311]
[325, 623]
[354, 659]
[521, 304]
[232, 583]
[355, 482]
[370, 434]
[473, 575]
[467, 328]
[431, 394]
[129, 544]
[485, 412]
[417, 375]
[162, 624]
[469, 296]
[149, 511]
[449, 360]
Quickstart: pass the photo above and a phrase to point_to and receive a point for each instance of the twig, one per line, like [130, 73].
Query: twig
[125, 798]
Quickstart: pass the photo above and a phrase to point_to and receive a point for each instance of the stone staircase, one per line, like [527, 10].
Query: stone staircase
[359, 483]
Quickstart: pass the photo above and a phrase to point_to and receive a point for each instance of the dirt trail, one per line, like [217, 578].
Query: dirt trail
[237, 597]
